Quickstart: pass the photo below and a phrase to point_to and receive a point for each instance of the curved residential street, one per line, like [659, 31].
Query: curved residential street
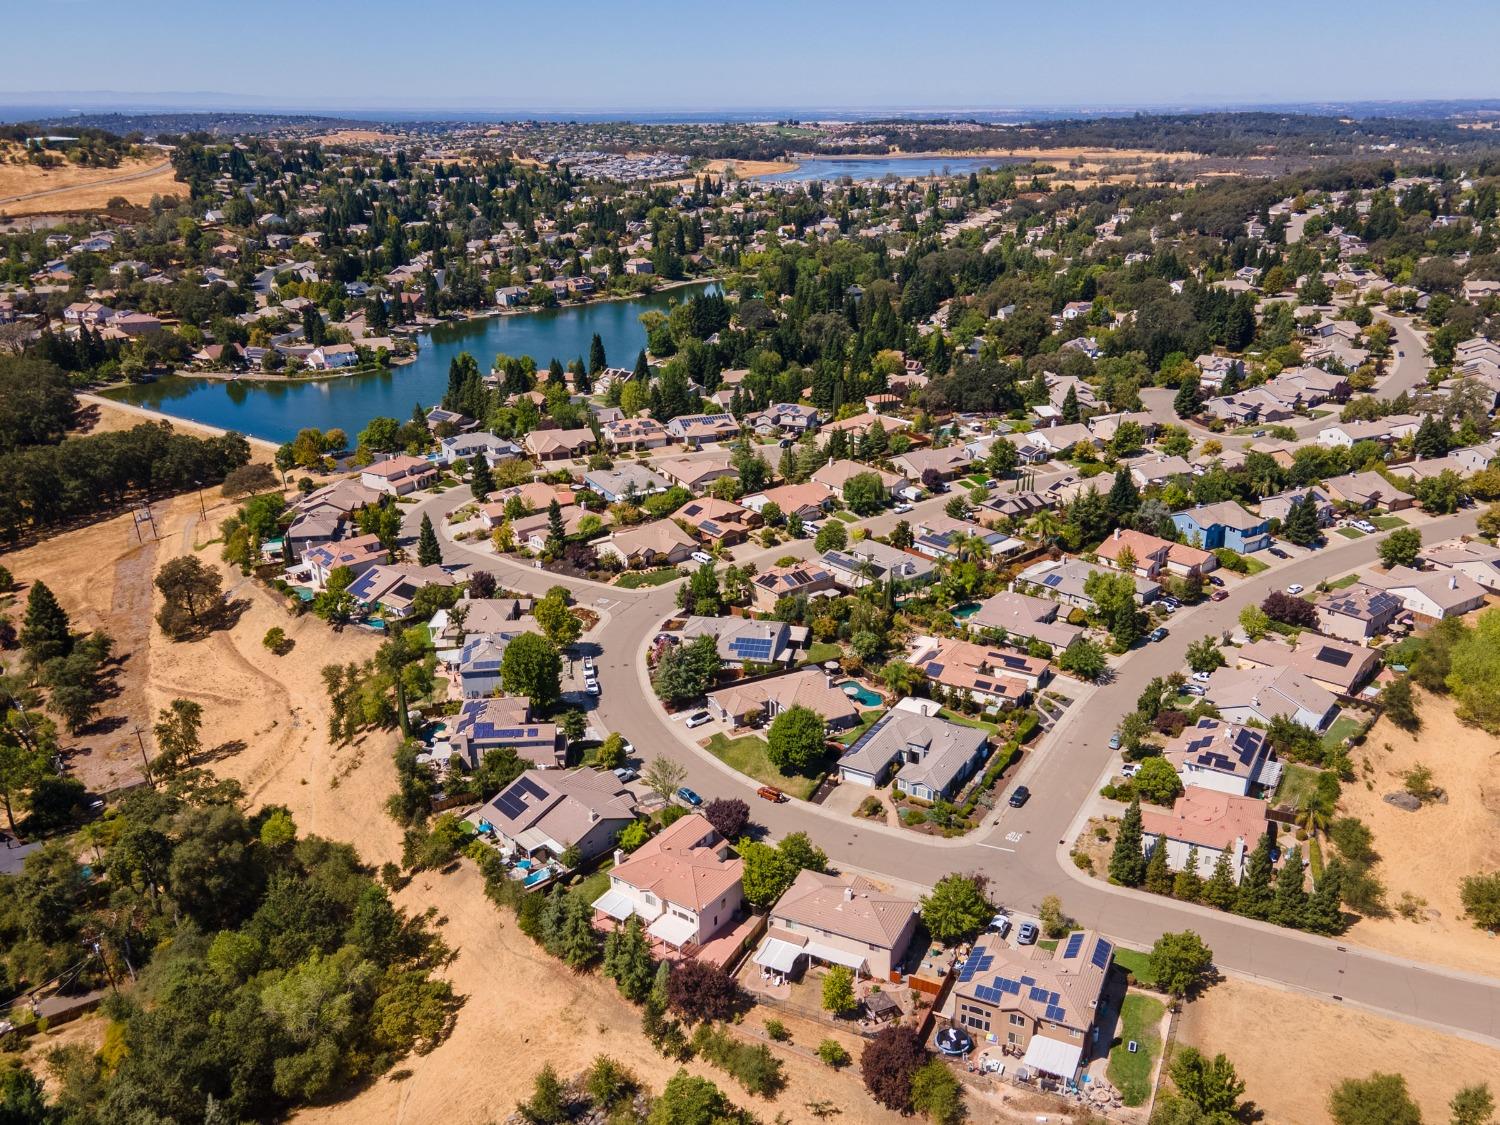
[1024, 852]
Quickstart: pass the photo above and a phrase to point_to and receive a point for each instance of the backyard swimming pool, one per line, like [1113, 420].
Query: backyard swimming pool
[860, 694]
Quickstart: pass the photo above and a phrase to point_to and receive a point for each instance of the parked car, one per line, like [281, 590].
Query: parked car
[1217, 596]
[1366, 526]
[626, 773]
[698, 719]
[688, 796]
[702, 557]
[1027, 934]
[1130, 769]
[1019, 796]
[770, 793]
[901, 509]
[1114, 741]
[1168, 606]
[992, 484]
[1158, 634]
[1278, 552]
[999, 924]
[1294, 588]
[1201, 677]
[1215, 580]
[588, 665]
[1192, 689]
[591, 686]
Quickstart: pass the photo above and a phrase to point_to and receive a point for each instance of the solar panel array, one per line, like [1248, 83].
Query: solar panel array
[1075, 941]
[978, 962]
[514, 800]
[752, 648]
[1052, 580]
[1102, 953]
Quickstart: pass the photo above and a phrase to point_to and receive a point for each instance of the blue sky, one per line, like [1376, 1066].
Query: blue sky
[621, 54]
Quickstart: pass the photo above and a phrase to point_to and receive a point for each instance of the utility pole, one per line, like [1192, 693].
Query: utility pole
[201, 509]
[138, 731]
[109, 971]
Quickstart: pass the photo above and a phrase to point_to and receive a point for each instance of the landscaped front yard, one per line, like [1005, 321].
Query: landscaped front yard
[1387, 523]
[1137, 965]
[1140, 1021]
[635, 579]
[748, 755]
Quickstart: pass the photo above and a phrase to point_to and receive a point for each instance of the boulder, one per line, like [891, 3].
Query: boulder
[1403, 801]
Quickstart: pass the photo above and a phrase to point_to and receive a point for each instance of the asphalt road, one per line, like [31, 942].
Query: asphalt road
[1025, 852]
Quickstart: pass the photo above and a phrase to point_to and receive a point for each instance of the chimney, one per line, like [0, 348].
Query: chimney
[1117, 533]
[619, 857]
[848, 894]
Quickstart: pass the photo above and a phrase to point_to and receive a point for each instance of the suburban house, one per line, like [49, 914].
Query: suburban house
[718, 523]
[559, 445]
[695, 430]
[683, 883]
[1277, 507]
[480, 444]
[1261, 694]
[398, 476]
[741, 641]
[934, 756]
[806, 501]
[1153, 555]
[1341, 666]
[984, 661]
[939, 535]
[480, 617]
[391, 590]
[533, 531]
[755, 701]
[1357, 612]
[504, 722]
[1019, 506]
[1368, 490]
[635, 433]
[358, 554]
[1040, 1003]
[1156, 468]
[867, 561]
[659, 543]
[1224, 524]
[777, 582]
[1384, 430]
[1023, 619]
[698, 472]
[1065, 579]
[1213, 822]
[1224, 757]
[1429, 596]
[834, 475]
[625, 482]
[838, 920]
[543, 813]
[1473, 558]
[1059, 440]
[947, 462]
[785, 417]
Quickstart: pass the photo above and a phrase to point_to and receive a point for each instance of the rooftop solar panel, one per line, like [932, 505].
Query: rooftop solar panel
[1056, 1013]
[1071, 949]
[1102, 953]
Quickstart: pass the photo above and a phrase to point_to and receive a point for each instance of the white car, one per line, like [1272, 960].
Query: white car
[698, 719]
[1294, 588]
[901, 509]
[1201, 677]
[588, 666]
[702, 557]
[591, 686]
[1130, 769]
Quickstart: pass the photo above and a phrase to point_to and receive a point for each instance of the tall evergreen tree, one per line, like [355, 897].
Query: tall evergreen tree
[428, 551]
[1220, 890]
[1127, 863]
[555, 529]
[1256, 897]
[642, 370]
[1433, 437]
[597, 362]
[45, 632]
[627, 960]
[1124, 498]
[1188, 398]
[481, 480]
[1301, 523]
[1070, 411]
[1188, 883]
[1324, 913]
[1158, 874]
[1291, 899]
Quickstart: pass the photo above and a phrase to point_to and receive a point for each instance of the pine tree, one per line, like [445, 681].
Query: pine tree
[642, 370]
[1187, 400]
[1124, 497]
[627, 959]
[45, 633]
[1188, 884]
[1301, 523]
[481, 480]
[555, 528]
[597, 362]
[1291, 898]
[1324, 914]
[1220, 890]
[1127, 863]
[1255, 897]
[1432, 438]
[1070, 412]
[428, 551]
[1158, 875]
[578, 941]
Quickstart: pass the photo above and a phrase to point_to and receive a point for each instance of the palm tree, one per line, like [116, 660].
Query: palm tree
[1045, 526]
[1313, 818]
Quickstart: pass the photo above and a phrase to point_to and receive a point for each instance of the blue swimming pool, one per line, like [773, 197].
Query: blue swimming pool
[860, 694]
[965, 611]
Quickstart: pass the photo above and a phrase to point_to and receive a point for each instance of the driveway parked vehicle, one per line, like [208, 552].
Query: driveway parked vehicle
[1027, 934]
[698, 719]
[1159, 633]
[702, 557]
[1217, 596]
[689, 796]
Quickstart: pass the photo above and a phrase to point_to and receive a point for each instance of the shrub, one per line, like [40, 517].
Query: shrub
[778, 1031]
[832, 1052]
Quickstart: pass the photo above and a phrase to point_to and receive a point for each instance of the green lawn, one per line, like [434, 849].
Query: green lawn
[1387, 523]
[1343, 727]
[821, 651]
[1350, 532]
[1340, 583]
[1296, 786]
[1254, 564]
[1137, 965]
[635, 579]
[964, 720]
[748, 755]
[845, 515]
[592, 887]
[1140, 1019]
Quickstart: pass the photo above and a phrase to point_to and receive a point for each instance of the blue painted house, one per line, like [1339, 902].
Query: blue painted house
[1224, 524]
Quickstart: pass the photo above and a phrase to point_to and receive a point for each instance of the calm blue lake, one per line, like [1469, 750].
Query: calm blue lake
[276, 410]
[878, 167]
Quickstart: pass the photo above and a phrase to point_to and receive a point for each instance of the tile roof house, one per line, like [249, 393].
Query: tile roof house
[391, 590]
[1340, 666]
[869, 560]
[694, 430]
[1037, 1002]
[764, 699]
[980, 670]
[635, 433]
[742, 641]
[1369, 490]
[359, 554]
[1357, 612]
[1261, 694]
[502, 722]
[1276, 507]
[946, 462]
[718, 522]
[697, 472]
[1430, 596]
[1065, 579]
[934, 755]
[1224, 524]
[469, 446]
[777, 582]
[808, 501]
[543, 813]
[785, 417]
[1224, 757]
[938, 536]
[1211, 821]
[625, 481]
[838, 920]
[1471, 557]
[684, 883]
[1024, 619]
[398, 476]
[660, 542]
[559, 445]
[834, 475]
